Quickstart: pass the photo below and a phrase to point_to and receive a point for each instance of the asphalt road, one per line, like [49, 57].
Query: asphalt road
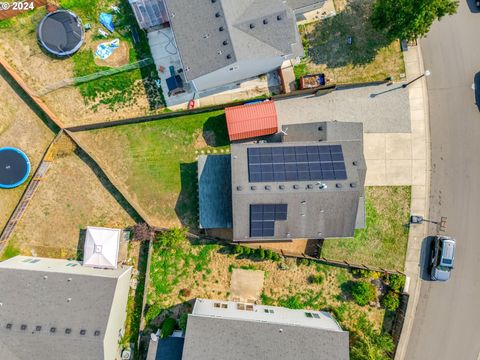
[447, 322]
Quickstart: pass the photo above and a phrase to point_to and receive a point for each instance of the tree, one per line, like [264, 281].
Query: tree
[409, 19]
[168, 327]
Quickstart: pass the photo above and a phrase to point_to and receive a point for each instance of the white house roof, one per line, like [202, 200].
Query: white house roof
[101, 247]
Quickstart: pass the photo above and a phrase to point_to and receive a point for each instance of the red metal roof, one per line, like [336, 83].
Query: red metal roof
[251, 120]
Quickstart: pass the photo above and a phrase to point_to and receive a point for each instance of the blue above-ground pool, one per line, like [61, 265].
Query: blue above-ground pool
[14, 167]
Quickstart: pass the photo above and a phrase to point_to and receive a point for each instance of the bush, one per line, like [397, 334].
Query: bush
[168, 327]
[316, 278]
[247, 251]
[390, 301]
[268, 254]
[363, 292]
[238, 249]
[302, 261]
[365, 274]
[182, 322]
[396, 282]
[275, 256]
[261, 253]
[185, 292]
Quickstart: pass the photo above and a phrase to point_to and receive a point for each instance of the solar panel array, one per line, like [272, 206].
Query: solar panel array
[263, 217]
[296, 163]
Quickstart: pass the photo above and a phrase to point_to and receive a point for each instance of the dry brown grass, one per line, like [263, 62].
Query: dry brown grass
[21, 128]
[70, 198]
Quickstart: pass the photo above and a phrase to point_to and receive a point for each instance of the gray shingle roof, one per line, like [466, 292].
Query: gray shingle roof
[301, 4]
[35, 301]
[250, 29]
[254, 340]
[215, 191]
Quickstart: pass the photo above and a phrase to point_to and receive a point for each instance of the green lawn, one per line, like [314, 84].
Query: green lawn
[383, 242]
[156, 162]
[370, 56]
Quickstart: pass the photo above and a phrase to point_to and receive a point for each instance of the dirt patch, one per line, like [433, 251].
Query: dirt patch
[119, 57]
[21, 128]
[246, 285]
[70, 198]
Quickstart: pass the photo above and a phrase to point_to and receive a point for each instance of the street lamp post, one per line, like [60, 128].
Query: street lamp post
[426, 73]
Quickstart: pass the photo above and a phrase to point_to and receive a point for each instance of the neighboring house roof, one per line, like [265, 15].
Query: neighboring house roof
[215, 192]
[251, 120]
[299, 5]
[46, 303]
[149, 13]
[211, 35]
[264, 332]
[170, 348]
[101, 247]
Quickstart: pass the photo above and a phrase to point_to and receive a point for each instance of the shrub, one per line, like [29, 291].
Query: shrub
[185, 292]
[365, 274]
[168, 327]
[238, 249]
[363, 292]
[247, 251]
[316, 278]
[302, 261]
[269, 254]
[275, 256]
[182, 322]
[396, 282]
[391, 301]
[261, 253]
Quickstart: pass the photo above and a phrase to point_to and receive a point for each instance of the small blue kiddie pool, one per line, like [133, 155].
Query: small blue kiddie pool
[14, 167]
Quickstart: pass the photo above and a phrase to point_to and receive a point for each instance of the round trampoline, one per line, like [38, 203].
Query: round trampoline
[61, 33]
[14, 167]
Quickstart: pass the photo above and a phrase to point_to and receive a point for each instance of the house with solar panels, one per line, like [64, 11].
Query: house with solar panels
[306, 182]
[53, 309]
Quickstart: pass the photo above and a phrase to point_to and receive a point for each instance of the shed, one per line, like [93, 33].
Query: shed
[251, 120]
[101, 247]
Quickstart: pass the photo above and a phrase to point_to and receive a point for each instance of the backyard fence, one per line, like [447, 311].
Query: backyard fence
[83, 79]
[399, 319]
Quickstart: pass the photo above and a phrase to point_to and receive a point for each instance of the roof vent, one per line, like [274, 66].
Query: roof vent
[265, 21]
[339, 186]
[206, 36]
[96, 333]
[279, 17]
[53, 329]
[38, 328]
[353, 185]
[320, 128]
[355, 163]
[221, 28]
[296, 186]
[69, 279]
[239, 188]
[83, 332]
[229, 56]
[219, 52]
[252, 26]
[253, 187]
[217, 15]
[281, 187]
[23, 327]
[45, 277]
[225, 42]
[214, 1]
[323, 186]
[309, 186]
[69, 299]
[9, 326]
[268, 187]
[68, 331]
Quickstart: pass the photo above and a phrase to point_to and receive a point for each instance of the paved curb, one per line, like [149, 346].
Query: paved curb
[420, 197]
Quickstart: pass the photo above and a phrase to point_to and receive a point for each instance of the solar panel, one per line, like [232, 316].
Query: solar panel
[296, 163]
[263, 217]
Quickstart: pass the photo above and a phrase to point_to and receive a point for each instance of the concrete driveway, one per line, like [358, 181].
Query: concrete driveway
[394, 139]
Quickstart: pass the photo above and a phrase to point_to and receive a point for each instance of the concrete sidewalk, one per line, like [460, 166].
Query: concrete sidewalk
[421, 174]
